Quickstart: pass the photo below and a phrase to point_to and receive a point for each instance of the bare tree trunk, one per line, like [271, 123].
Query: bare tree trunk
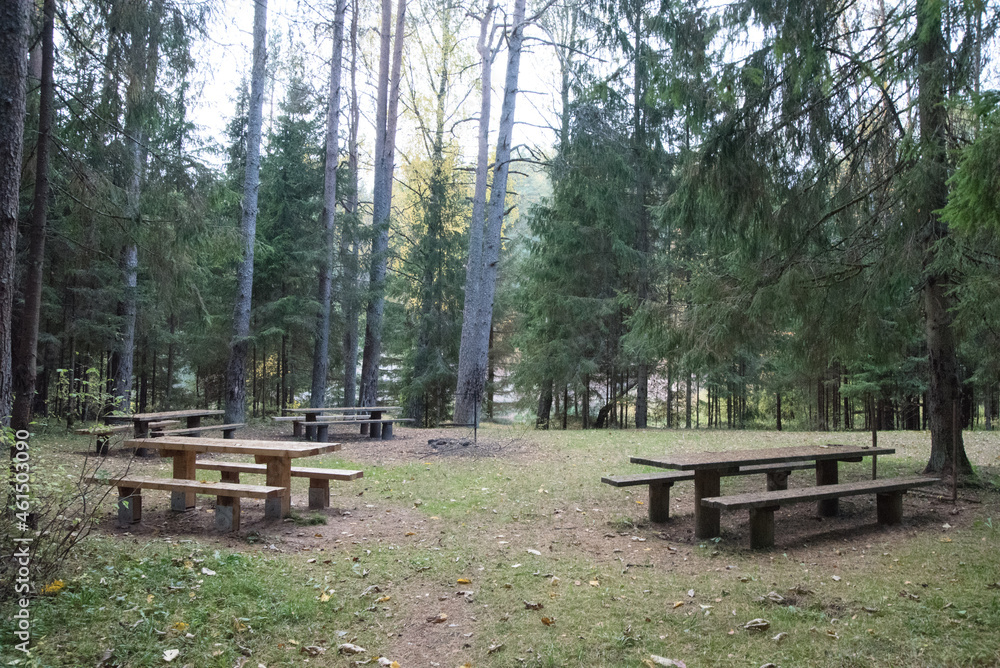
[385, 120]
[468, 393]
[474, 349]
[348, 235]
[13, 72]
[944, 390]
[321, 352]
[25, 346]
[236, 373]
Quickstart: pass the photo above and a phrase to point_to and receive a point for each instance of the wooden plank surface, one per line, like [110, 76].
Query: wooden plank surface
[235, 446]
[297, 471]
[733, 458]
[356, 409]
[164, 415]
[646, 478]
[818, 493]
[196, 486]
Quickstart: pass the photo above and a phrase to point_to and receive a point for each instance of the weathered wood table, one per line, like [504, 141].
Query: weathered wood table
[372, 416]
[709, 467]
[277, 455]
[140, 421]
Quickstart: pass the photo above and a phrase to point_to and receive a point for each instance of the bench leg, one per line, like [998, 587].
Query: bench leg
[227, 433]
[231, 476]
[310, 432]
[889, 507]
[386, 431]
[706, 520]
[279, 474]
[777, 480]
[103, 445]
[762, 528]
[375, 430]
[184, 469]
[319, 493]
[227, 513]
[129, 506]
[322, 433]
[296, 429]
[826, 474]
[364, 429]
[659, 501]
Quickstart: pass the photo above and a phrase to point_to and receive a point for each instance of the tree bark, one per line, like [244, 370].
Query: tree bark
[321, 351]
[387, 104]
[13, 73]
[25, 347]
[348, 236]
[944, 390]
[473, 356]
[236, 373]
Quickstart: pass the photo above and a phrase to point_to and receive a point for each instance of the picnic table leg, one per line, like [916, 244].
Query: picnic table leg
[140, 429]
[826, 474]
[279, 474]
[310, 429]
[194, 421]
[297, 428]
[129, 506]
[184, 463]
[762, 527]
[227, 513]
[386, 431]
[659, 501]
[706, 520]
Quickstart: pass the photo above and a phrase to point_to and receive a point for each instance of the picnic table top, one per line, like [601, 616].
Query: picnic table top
[731, 458]
[164, 415]
[336, 409]
[284, 449]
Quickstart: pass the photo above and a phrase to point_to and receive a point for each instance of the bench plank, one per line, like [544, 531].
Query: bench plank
[817, 493]
[319, 478]
[227, 430]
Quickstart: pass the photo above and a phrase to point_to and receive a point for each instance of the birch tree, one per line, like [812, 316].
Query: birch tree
[483, 265]
[387, 104]
[236, 374]
[321, 357]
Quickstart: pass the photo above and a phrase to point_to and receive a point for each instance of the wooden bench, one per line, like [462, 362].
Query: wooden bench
[227, 430]
[319, 478]
[160, 424]
[380, 428]
[661, 482]
[888, 493]
[103, 434]
[227, 504]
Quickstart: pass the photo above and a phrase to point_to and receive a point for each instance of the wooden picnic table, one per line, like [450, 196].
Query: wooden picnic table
[374, 415]
[709, 467]
[140, 421]
[277, 455]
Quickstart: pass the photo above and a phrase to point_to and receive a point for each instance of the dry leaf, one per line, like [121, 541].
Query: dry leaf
[464, 581]
[595, 583]
[440, 618]
[493, 649]
[775, 597]
[324, 597]
[778, 638]
[170, 654]
[832, 635]
[757, 625]
[531, 605]
[835, 578]
[312, 650]
[535, 552]
[548, 621]
[383, 599]
[661, 661]
[348, 648]
[691, 593]
[678, 604]
[411, 533]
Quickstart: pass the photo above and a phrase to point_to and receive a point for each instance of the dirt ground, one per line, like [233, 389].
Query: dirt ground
[572, 531]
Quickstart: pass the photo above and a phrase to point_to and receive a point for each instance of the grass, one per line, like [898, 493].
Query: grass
[476, 524]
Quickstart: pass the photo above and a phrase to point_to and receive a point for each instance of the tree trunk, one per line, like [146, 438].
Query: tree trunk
[387, 104]
[348, 237]
[474, 348]
[236, 373]
[943, 389]
[321, 350]
[544, 412]
[468, 392]
[13, 73]
[25, 346]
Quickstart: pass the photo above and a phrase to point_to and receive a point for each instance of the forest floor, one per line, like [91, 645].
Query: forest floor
[461, 536]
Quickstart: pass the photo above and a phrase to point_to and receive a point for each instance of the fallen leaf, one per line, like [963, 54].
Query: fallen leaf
[464, 581]
[778, 638]
[531, 605]
[534, 552]
[691, 593]
[757, 625]
[410, 533]
[324, 597]
[312, 650]
[493, 649]
[678, 604]
[548, 621]
[170, 654]
[438, 619]
[775, 597]
[595, 583]
[832, 635]
[207, 571]
[348, 648]
[835, 578]
[383, 599]
[662, 661]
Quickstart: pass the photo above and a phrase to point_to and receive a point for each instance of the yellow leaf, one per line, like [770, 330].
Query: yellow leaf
[324, 597]
[188, 564]
[54, 587]
[149, 599]
[946, 540]
[595, 583]
[410, 533]
[464, 581]
[678, 604]
[383, 599]
[639, 503]
[179, 626]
